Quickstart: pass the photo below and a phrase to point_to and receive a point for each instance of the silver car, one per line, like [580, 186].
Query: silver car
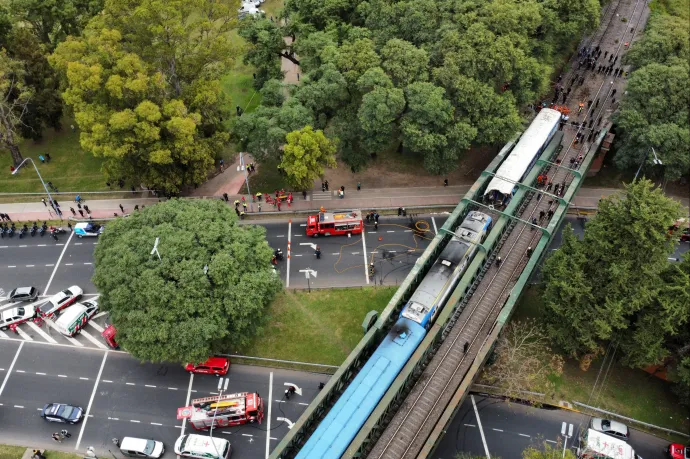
[612, 428]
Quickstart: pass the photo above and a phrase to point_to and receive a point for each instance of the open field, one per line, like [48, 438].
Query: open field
[318, 327]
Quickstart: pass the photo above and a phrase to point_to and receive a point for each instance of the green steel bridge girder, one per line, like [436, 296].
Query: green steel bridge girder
[575, 172]
[546, 231]
[530, 188]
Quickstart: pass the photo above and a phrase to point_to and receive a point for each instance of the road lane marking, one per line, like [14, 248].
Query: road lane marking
[303, 404]
[130, 383]
[91, 338]
[69, 264]
[18, 406]
[77, 243]
[390, 231]
[481, 431]
[50, 323]
[88, 263]
[39, 373]
[30, 266]
[62, 376]
[149, 385]
[23, 334]
[270, 397]
[12, 266]
[134, 420]
[189, 393]
[524, 435]
[156, 424]
[9, 371]
[497, 430]
[21, 371]
[41, 245]
[100, 314]
[83, 378]
[287, 275]
[470, 425]
[96, 326]
[247, 435]
[40, 331]
[433, 221]
[93, 394]
[282, 235]
[551, 441]
[336, 253]
[107, 380]
[172, 388]
[48, 266]
[50, 281]
[366, 265]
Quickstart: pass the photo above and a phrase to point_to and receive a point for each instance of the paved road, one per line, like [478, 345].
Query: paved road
[509, 428]
[124, 397]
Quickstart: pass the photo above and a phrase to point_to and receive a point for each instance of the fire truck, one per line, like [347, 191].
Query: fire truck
[229, 410]
[335, 223]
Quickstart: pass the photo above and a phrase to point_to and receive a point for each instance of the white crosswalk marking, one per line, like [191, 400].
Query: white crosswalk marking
[95, 341]
[322, 195]
[50, 323]
[3, 334]
[38, 330]
[96, 326]
[23, 334]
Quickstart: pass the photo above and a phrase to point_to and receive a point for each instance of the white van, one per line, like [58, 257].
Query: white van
[598, 445]
[75, 317]
[138, 447]
[199, 447]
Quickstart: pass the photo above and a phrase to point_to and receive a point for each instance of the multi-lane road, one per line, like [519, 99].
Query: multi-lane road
[495, 428]
[123, 397]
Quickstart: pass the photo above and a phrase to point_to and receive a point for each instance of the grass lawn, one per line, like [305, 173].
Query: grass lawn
[70, 168]
[266, 179]
[629, 392]
[318, 327]
[16, 452]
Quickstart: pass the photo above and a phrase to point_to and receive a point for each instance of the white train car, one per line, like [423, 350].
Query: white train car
[523, 156]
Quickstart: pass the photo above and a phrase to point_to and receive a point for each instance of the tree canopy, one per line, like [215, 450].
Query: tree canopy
[306, 154]
[654, 112]
[425, 77]
[152, 106]
[205, 295]
[15, 96]
[612, 279]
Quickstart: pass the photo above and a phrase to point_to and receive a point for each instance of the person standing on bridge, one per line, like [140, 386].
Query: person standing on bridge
[465, 347]
[498, 262]
[529, 252]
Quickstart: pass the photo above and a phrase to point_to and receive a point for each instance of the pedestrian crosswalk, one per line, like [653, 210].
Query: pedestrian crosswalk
[322, 195]
[47, 332]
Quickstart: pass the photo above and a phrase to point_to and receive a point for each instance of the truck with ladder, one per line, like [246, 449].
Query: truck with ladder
[340, 223]
[223, 410]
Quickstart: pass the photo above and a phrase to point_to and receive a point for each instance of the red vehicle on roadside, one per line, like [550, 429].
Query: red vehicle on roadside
[335, 223]
[223, 410]
[109, 336]
[678, 451]
[218, 366]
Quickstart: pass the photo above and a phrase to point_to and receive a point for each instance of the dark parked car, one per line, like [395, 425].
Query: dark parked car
[23, 294]
[61, 412]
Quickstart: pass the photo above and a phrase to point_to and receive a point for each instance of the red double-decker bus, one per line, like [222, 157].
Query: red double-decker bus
[335, 223]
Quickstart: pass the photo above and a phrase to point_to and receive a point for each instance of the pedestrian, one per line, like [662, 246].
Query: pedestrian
[278, 203]
[599, 121]
[48, 157]
[43, 160]
[498, 262]
[115, 214]
[244, 206]
[225, 196]
[376, 225]
[122, 209]
[259, 205]
[445, 182]
[59, 212]
[56, 437]
[606, 53]
[550, 214]
[55, 203]
[323, 187]
[81, 212]
[43, 200]
[549, 186]
[359, 186]
[534, 221]
[613, 93]
[465, 347]
[596, 104]
[86, 208]
[326, 185]
[613, 101]
[237, 211]
[65, 433]
[529, 251]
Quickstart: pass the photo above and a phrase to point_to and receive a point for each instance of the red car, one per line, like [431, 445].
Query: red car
[218, 366]
[678, 451]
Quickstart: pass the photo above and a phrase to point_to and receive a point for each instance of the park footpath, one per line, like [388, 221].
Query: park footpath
[424, 199]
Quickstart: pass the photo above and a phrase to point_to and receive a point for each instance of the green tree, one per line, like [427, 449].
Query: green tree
[404, 62]
[15, 96]
[429, 129]
[595, 287]
[52, 21]
[266, 46]
[272, 94]
[377, 116]
[152, 106]
[45, 106]
[305, 155]
[205, 295]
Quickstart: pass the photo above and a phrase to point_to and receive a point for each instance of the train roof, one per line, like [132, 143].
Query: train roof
[521, 156]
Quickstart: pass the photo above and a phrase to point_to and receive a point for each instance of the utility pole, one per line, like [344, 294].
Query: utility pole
[50, 198]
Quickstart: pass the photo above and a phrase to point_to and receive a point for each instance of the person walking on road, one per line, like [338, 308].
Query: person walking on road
[81, 212]
[43, 200]
[65, 434]
[86, 208]
[56, 437]
[445, 182]
[73, 211]
[122, 209]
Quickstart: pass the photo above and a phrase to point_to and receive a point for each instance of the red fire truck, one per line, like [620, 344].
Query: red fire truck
[335, 223]
[232, 410]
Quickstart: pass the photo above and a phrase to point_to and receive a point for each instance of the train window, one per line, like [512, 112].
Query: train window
[445, 262]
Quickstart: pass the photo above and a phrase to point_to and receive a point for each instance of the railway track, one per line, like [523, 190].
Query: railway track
[417, 416]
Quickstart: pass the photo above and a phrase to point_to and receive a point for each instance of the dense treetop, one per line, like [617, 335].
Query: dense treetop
[427, 77]
[206, 294]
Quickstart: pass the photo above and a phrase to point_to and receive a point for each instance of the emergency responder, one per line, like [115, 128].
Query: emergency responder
[318, 252]
[529, 251]
[498, 262]
[372, 270]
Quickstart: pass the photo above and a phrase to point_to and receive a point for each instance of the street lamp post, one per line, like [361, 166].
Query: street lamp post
[656, 161]
[50, 198]
[221, 388]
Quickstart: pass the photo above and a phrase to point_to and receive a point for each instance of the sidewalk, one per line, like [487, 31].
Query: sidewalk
[365, 199]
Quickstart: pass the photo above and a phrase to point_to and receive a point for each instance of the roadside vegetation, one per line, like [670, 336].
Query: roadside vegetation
[318, 327]
[16, 452]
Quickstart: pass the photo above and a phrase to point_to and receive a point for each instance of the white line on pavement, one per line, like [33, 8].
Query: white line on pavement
[30, 266]
[18, 406]
[100, 314]
[91, 338]
[524, 435]
[470, 425]
[42, 374]
[336, 253]
[107, 380]
[62, 376]
[14, 360]
[83, 378]
[21, 371]
[551, 441]
[189, 393]
[134, 420]
[481, 431]
[93, 394]
[287, 275]
[88, 263]
[148, 385]
[77, 243]
[50, 323]
[270, 397]
[38, 330]
[247, 435]
[69, 264]
[282, 235]
[3, 335]
[48, 266]
[497, 430]
[156, 424]
[50, 281]
[172, 388]
[98, 328]
[23, 334]
[366, 265]
[433, 221]
[130, 384]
